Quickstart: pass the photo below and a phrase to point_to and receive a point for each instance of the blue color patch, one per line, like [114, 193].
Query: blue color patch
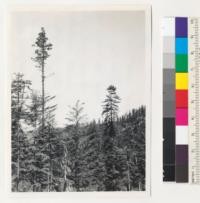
[181, 45]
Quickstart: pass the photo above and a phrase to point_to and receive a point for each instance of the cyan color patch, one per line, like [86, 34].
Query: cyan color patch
[181, 45]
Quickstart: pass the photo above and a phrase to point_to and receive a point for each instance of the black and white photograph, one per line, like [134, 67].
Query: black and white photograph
[79, 99]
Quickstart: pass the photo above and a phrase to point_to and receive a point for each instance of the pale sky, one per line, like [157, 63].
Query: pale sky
[91, 50]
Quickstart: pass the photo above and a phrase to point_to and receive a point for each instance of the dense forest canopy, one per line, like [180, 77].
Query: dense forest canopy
[103, 155]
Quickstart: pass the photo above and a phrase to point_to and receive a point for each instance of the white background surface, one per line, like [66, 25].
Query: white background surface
[160, 192]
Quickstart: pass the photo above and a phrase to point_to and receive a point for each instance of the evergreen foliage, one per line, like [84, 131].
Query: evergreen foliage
[108, 155]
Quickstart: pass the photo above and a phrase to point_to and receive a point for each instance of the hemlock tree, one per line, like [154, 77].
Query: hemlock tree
[139, 163]
[131, 140]
[92, 167]
[75, 117]
[110, 110]
[19, 88]
[33, 119]
[43, 144]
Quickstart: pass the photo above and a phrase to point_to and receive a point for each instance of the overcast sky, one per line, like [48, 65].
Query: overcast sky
[91, 50]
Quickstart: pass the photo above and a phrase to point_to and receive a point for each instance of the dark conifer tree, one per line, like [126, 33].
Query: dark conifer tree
[110, 111]
[74, 118]
[44, 138]
[19, 94]
[92, 170]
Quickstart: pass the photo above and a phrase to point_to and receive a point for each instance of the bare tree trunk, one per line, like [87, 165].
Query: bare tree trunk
[43, 95]
[140, 186]
[65, 172]
[18, 146]
[48, 184]
[34, 158]
[49, 175]
[128, 176]
[18, 162]
[65, 181]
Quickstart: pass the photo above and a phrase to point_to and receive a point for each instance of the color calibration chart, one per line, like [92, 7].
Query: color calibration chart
[181, 99]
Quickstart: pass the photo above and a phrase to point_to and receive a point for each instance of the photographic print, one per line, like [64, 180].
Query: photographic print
[80, 92]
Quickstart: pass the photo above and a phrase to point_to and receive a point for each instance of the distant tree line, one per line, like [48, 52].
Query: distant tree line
[106, 155]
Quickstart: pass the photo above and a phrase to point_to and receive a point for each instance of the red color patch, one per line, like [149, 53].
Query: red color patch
[181, 98]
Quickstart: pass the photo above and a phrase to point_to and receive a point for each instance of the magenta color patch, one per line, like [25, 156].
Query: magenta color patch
[182, 116]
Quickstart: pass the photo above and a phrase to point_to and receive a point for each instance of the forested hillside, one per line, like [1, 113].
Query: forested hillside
[103, 155]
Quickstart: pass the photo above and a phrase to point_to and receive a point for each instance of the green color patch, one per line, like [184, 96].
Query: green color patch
[181, 63]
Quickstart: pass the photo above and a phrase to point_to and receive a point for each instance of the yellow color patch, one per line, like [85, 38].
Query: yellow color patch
[181, 81]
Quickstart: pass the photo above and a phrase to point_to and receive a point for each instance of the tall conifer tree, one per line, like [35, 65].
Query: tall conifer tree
[110, 111]
[41, 54]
